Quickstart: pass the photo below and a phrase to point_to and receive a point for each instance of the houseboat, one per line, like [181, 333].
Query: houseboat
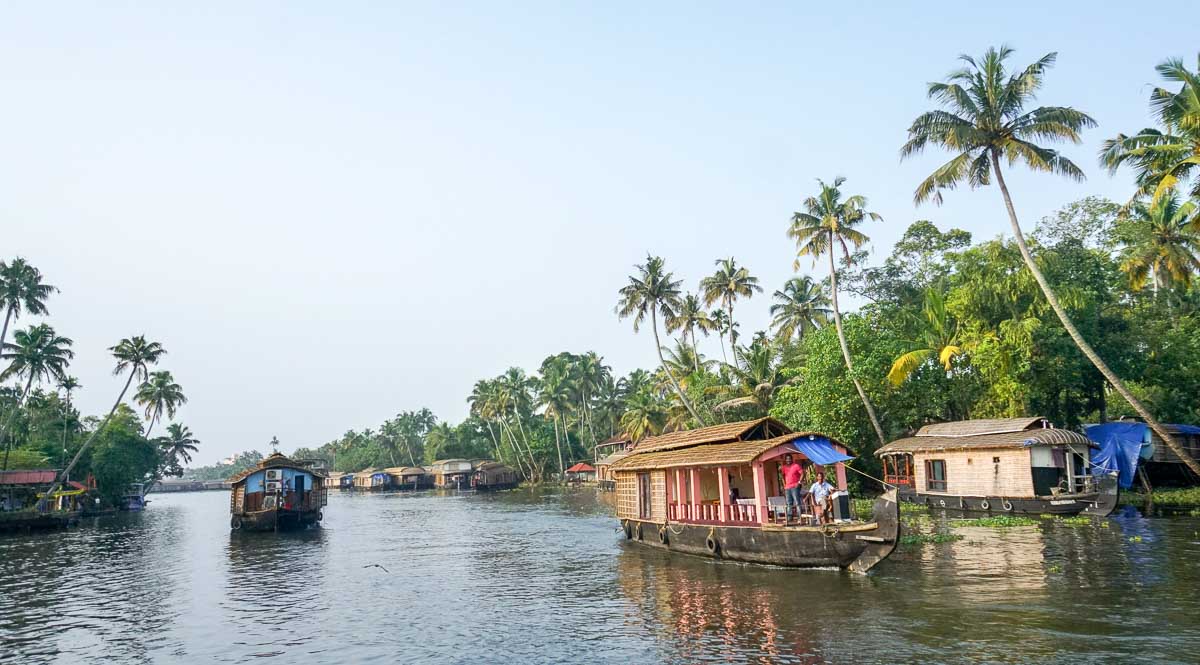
[134, 499]
[1009, 465]
[452, 474]
[410, 478]
[22, 504]
[493, 476]
[718, 492]
[277, 495]
[372, 480]
[608, 452]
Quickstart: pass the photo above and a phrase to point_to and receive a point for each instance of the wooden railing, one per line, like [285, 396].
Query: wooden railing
[711, 513]
[894, 479]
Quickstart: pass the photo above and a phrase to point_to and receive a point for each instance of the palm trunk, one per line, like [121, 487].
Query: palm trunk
[58, 482]
[11, 416]
[495, 443]
[8, 312]
[562, 469]
[514, 444]
[1080, 342]
[837, 321]
[663, 363]
[695, 349]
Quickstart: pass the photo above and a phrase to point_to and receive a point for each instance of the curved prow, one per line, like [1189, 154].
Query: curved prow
[1108, 494]
[882, 540]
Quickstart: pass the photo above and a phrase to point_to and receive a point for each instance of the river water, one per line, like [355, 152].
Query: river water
[542, 576]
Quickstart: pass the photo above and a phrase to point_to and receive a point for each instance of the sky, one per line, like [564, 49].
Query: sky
[332, 212]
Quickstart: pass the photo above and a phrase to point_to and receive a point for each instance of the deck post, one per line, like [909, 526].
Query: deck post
[697, 498]
[760, 491]
[840, 470]
[723, 487]
[677, 478]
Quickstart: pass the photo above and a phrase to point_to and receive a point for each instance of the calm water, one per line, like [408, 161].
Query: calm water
[542, 577]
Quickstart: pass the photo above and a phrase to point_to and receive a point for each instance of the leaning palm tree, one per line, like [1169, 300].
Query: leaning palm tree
[729, 283]
[21, 290]
[1164, 158]
[984, 121]
[1161, 243]
[801, 306]
[937, 338]
[685, 362]
[37, 354]
[827, 225]
[653, 291]
[159, 394]
[134, 355]
[68, 384]
[689, 318]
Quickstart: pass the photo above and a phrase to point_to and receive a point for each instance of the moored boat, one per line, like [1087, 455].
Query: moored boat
[452, 474]
[717, 492]
[1007, 465]
[279, 494]
[409, 478]
[494, 476]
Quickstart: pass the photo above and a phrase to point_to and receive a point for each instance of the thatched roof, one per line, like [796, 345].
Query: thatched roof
[713, 454]
[367, 472]
[763, 428]
[405, 471]
[277, 461]
[490, 466]
[613, 458]
[985, 434]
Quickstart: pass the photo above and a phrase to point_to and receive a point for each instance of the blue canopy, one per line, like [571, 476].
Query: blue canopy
[819, 449]
[1120, 444]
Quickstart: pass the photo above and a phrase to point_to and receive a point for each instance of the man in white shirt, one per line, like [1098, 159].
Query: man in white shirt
[820, 493]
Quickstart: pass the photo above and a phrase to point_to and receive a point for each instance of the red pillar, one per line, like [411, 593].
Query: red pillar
[760, 491]
[697, 497]
[840, 470]
[723, 488]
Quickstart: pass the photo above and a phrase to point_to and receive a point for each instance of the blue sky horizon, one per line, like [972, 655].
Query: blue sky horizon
[332, 214]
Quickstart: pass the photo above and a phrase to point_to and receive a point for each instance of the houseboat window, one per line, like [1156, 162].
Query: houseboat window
[935, 475]
[644, 496]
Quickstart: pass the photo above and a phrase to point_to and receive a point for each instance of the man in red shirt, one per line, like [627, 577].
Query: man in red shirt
[792, 473]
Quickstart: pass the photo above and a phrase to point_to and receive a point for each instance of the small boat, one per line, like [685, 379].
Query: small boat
[717, 492]
[1005, 465]
[494, 476]
[279, 494]
[135, 498]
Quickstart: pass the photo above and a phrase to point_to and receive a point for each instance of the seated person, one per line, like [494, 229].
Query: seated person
[821, 493]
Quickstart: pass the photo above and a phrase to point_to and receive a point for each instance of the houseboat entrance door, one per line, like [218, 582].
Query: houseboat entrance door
[644, 496]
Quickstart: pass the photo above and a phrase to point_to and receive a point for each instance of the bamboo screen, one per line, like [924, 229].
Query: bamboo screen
[627, 506]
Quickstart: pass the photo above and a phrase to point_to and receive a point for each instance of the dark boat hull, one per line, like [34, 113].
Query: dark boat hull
[1100, 503]
[856, 547]
[275, 520]
[20, 521]
[495, 487]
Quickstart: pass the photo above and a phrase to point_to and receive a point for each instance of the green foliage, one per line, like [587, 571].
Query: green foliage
[120, 455]
[910, 539]
[996, 522]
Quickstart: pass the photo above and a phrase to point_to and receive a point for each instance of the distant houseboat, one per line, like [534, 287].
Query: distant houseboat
[493, 476]
[409, 478]
[607, 452]
[1010, 465]
[581, 473]
[134, 499]
[717, 492]
[372, 480]
[454, 474]
[279, 494]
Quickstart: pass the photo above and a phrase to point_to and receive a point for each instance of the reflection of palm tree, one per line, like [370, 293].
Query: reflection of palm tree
[653, 292]
[828, 224]
[1161, 244]
[159, 394]
[800, 307]
[937, 337]
[37, 354]
[983, 122]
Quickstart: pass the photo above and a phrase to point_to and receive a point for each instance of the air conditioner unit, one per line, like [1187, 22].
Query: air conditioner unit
[274, 474]
[273, 486]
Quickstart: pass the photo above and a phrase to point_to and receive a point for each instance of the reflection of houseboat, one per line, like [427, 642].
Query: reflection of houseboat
[452, 474]
[409, 478]
[1011, 465]
[581, 473]
[20, 491]
[278, 494]
[492, 476]
[372, 480]
[714, 491]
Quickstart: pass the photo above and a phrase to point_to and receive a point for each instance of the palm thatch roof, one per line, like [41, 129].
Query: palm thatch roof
[405, 471]
[490, 466]
[745, 430]
[985, 434]
[731, 453]
[613, 458]
[277, 461]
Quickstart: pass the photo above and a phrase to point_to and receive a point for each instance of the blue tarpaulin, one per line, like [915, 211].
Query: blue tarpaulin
[1120, 444]
[819, 450]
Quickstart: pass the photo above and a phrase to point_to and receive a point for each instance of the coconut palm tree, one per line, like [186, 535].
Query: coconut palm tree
[653, 291]
[134, 355]
[1161, 243]
[827, 225]
[937, 338]
[984, 121]
[554, 396]
[159, 394]
[68, 384]
[722, 325]
[756, 381]
[726, 285]
[644, 416]
[178, 444]
[1164, 158]
[36, 354]
[684, 361]
[800, 306]
[689, 318]
[21, 290]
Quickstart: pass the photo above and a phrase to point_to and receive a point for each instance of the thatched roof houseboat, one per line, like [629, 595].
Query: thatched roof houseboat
[493, 476]
[604, 475]
[717, 491]
[1006, 465]
[452, 473]
[372, 479]
[278, 494]
[410, 477]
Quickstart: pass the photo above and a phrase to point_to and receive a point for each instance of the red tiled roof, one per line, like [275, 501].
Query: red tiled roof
[27, 477]
[78, 486]
[582, 467]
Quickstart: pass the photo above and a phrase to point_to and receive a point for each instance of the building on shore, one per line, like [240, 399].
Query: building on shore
[581, 472]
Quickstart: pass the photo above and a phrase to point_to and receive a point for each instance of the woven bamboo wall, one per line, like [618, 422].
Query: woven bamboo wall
[627, 507]
[658, 496]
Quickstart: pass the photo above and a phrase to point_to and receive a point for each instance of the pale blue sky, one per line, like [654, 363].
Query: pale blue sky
[331, 212]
